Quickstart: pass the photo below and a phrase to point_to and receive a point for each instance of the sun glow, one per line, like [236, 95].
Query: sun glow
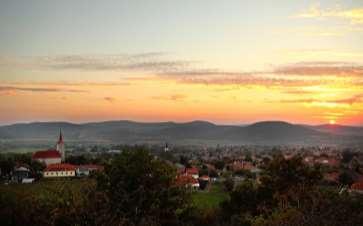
[332, 122]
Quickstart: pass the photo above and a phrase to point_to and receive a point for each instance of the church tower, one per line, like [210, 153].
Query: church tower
[60, 146]
[166, 148]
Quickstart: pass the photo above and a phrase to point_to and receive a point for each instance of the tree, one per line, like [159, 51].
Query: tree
[347, 156]
[219, 164]
[37, 168]
[283, 174]
[284, 184]
[183, 160]
[77, 159]
[142, 189]
[228, 184]
[6, 166]
[244, 198]
[345, 178]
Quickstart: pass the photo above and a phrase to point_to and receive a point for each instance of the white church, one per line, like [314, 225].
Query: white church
[52, 156]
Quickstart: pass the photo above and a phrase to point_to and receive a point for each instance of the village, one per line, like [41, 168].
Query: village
[202, 179]
[196, 168]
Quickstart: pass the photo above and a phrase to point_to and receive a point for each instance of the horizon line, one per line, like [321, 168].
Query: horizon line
[171, 121]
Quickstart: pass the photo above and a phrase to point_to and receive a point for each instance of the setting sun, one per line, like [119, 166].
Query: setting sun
[332, 122]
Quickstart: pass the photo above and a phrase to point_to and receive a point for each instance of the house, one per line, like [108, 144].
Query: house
[60, 170]
[204, 182]
[192, 171]
[309, 160]
[204, 178]
[86, 170]
[357, 187]
[187, 181]
[328, 161]
[20, 174]
[241, 165]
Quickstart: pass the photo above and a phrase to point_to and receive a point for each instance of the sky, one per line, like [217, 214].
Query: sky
[228, 62]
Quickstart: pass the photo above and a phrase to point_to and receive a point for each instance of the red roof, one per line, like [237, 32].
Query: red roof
[334, 176]
[60, 167]
[242, 165]
[191, 170]
[48, 154]
[204, 177]
[357, 186]
[184, 180]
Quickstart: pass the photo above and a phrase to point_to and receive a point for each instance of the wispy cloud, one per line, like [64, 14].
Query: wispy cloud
[354, 16]
[154, 62]
[70, 84]
[356, 99]
[185, 71]
[321, 68]
[205, 72]
[351, 100]
[109, 99]
[37, 89]
[298, 92]
[174, 97]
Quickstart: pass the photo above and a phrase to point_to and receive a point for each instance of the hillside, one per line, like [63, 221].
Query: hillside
[196, 132]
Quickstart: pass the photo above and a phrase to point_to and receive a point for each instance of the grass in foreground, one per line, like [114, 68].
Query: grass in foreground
[209, 199]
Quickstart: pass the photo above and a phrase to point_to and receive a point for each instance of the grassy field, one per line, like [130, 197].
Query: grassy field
[47, 202]
[48, 189]
[211, 198]
[69, 189]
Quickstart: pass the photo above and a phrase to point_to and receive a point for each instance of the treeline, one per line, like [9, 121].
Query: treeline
[9, 161]
[138, 189]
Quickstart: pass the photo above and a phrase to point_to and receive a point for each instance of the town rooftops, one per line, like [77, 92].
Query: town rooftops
[48, 154]
[60, 167]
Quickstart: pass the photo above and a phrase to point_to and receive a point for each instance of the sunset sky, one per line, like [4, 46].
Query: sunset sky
[228, 62]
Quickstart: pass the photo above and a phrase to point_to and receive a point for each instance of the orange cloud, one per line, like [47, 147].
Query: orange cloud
[356, 99]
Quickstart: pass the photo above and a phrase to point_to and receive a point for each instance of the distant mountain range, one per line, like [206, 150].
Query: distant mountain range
[195, 132]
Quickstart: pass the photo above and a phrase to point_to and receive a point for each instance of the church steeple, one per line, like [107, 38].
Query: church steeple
[60, 140]
[60, 146]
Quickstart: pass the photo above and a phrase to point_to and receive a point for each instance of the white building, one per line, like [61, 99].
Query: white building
[60, 170]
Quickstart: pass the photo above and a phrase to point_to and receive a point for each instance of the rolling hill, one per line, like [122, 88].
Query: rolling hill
[195, 132]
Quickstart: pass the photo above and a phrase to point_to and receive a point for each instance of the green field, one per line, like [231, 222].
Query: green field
[211, 198]
[48, 189]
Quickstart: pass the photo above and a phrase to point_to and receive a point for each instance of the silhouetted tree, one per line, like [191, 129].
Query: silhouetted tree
[142, 189]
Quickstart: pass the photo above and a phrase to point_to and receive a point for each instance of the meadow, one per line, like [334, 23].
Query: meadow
[210, 198]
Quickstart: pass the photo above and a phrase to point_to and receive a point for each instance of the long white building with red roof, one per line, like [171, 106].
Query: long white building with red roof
[60, 170]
